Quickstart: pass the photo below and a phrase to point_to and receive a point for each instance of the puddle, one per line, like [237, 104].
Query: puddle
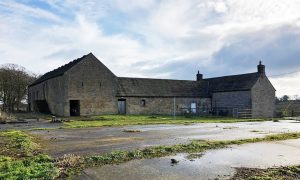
[210, 165]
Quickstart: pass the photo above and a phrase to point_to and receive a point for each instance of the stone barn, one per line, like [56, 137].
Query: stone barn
[85, 86]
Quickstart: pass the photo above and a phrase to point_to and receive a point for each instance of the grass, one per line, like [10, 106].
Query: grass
[20, 158]
[282, 173]
[193, 156]
[121, 120]
[230, 127]
[196, 146]
[131, 131]
[35, 167]
[45, 129]
[17, 144]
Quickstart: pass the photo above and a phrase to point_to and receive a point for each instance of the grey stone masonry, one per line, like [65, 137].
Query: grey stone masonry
[85, 86]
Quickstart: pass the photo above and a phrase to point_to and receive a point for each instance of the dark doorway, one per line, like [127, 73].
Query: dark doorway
[41, 106]
[122, 106]
[74, 108]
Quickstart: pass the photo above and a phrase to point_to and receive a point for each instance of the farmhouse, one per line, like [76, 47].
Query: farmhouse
[85, 86]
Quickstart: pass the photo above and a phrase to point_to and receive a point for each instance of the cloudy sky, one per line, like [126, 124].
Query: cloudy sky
[161, 39]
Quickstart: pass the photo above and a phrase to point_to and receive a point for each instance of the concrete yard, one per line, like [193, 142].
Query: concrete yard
[89, 141]
[211, 164]
[220, 163]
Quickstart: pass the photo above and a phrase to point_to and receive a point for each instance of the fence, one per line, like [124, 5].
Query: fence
[218, 111]
[287, 113]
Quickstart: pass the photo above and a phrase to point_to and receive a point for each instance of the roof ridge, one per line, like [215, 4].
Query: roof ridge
[157, 79]
[230, 76]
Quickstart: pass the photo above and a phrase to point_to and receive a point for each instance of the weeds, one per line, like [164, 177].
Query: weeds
[36, 167]
[20, 158]
[289, 172]
[18, 144]
[131, 131]
[230, 127]
[194, 156]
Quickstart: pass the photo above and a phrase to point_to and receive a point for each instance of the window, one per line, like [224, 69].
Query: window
[193, 107]
[37, 94]
[143, 102]
[81, 84]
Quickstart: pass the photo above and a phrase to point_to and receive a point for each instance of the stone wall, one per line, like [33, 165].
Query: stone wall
[51, 91]
[93, 85]
[163, 105]
[233, 99]
[263, 98]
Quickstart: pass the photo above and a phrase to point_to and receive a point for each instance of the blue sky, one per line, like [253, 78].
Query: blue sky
[157, 38]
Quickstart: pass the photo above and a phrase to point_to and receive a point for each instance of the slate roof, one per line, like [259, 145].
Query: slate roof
[144, 87]
[240, 82]
[59, 71]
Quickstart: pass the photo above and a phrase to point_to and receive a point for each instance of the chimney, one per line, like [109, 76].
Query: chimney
[199, 76]
[261, 69]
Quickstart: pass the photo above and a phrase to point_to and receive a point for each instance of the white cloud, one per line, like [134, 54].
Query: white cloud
[287, 85]
[150, 34]
[23, 10]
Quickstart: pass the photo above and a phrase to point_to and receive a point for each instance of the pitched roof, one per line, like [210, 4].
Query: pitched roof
[137, 87]
[59, 71]
[240, 82]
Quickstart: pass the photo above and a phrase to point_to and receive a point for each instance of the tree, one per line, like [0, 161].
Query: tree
[14, 80]
[285, 98]
[277, 100]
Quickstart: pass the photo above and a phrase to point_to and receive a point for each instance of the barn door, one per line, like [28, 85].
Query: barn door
[74, 108]
[122, 106]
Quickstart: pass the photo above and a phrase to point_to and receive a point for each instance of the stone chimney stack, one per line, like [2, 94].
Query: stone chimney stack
[199, 76]
[261, 69]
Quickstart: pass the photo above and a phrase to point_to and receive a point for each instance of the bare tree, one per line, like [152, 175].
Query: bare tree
[14, 80]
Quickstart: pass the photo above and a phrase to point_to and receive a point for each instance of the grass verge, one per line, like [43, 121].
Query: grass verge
[20, 158]
[196, 146]
[121, 120]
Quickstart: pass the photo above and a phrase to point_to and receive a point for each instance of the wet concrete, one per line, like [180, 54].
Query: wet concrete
[91, 141]
[30, 124]
[213, 164]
